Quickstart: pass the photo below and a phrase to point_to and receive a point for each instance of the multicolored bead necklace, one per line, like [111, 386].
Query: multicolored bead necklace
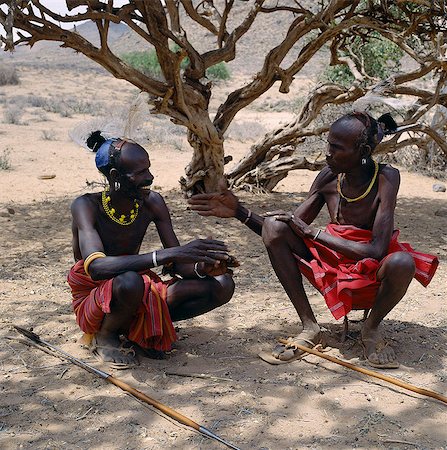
[123, 219]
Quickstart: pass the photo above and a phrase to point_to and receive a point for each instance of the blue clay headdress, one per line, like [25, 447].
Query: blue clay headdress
[102, 157]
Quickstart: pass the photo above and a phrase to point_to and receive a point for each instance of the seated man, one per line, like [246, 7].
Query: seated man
[114, 291]
[356, 262]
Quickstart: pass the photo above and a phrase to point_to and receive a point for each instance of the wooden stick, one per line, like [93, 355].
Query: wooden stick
[198, 375]
[56, 351]
[371, 373]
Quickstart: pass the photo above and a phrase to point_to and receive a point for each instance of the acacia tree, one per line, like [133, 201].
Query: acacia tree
[423, 110]
[184, 94]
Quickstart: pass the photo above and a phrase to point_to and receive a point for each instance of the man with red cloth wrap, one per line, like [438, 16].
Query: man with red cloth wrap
[115, 293]
[357, 261]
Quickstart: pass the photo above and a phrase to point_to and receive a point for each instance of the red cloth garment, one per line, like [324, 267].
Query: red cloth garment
[347, 284]
[152, 326]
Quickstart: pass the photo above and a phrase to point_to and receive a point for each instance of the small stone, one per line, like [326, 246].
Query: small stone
[11, 210]
[439, 187]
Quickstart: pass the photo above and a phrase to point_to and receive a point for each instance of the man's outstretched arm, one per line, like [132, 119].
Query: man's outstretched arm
[225, 204]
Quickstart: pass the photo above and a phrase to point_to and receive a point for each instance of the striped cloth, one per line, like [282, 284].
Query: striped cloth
[152, 326]
[348, 284]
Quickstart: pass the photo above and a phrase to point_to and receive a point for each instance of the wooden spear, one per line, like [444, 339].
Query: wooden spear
[371, 373]
[40, 343]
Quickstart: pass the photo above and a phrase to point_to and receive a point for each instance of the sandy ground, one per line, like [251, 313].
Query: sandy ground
[49, 404]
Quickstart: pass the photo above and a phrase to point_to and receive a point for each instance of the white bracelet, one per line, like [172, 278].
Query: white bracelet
[316, 235]
[248, 217]
[154, 258]
[197, 271]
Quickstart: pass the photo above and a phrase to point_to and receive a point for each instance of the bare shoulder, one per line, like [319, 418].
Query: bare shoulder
[325, 177]
[84, 206]
[84, 201]
[389, 174]
[155, 202]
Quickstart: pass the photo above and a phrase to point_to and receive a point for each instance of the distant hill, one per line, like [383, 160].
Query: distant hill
[50, 54]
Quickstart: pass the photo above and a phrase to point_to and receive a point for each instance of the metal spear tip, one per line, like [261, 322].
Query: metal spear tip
[28, 333]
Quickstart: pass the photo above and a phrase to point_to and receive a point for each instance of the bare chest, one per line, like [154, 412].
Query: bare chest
[121, 239]
[360, 213]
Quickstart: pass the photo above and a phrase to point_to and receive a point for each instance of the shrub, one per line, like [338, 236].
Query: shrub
[13, 114]
[37, 101]
[8, 75]
[145, 62]
[5, 163]
[68, 106]
[48, 135]
[245, 131]
[380, 57]
[218, 72]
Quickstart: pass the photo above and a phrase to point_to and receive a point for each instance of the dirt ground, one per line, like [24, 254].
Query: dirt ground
[49, 404]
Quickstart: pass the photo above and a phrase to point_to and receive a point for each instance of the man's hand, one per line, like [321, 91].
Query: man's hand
[218, 204]
[209, 251]
[298, 226]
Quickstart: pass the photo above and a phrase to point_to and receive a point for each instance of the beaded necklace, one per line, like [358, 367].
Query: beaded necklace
[123, 219]
[341, 177]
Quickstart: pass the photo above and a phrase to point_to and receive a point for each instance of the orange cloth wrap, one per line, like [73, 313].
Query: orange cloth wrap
[152, 326]
[347, 284]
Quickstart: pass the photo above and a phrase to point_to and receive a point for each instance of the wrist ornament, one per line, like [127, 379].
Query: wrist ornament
[154, 258]
[247, 218]
[196, 271]
[90, 258]
[316, 234]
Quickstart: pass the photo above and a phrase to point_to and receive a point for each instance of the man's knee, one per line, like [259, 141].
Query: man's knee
[400, 264]
[273, 230]
[225, 290]
[128, 287]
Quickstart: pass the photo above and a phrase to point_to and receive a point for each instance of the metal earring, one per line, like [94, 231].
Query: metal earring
[364, 161]
[117, 186]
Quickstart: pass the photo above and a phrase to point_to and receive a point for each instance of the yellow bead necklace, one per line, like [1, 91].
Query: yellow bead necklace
[123, 219]
[341, 177]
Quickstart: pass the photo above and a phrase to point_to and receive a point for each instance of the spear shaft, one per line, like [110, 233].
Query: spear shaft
[371, 373]
[124, 386]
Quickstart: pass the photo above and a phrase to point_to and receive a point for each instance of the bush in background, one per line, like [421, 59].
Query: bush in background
[245, 131]
[5, 163]
[147, 63]
[218, 72]
[12, 114]
[379, 57]
[8, 75]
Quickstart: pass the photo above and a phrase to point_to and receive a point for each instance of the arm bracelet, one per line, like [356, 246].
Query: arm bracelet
[90, 258]
[316, 235]
[154, 258]
[247, 218]
[196, 271]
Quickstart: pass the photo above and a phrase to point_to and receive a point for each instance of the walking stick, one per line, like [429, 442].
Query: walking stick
[371, 373]
[124, 386]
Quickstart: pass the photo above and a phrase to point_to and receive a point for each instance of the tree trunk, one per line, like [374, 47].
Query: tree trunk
[205, 172]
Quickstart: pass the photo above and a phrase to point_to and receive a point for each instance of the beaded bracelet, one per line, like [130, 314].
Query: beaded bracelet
[196, 271]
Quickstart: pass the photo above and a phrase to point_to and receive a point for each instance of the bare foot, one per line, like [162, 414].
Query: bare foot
[376, 350]
[109, 348]
[307, 338]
